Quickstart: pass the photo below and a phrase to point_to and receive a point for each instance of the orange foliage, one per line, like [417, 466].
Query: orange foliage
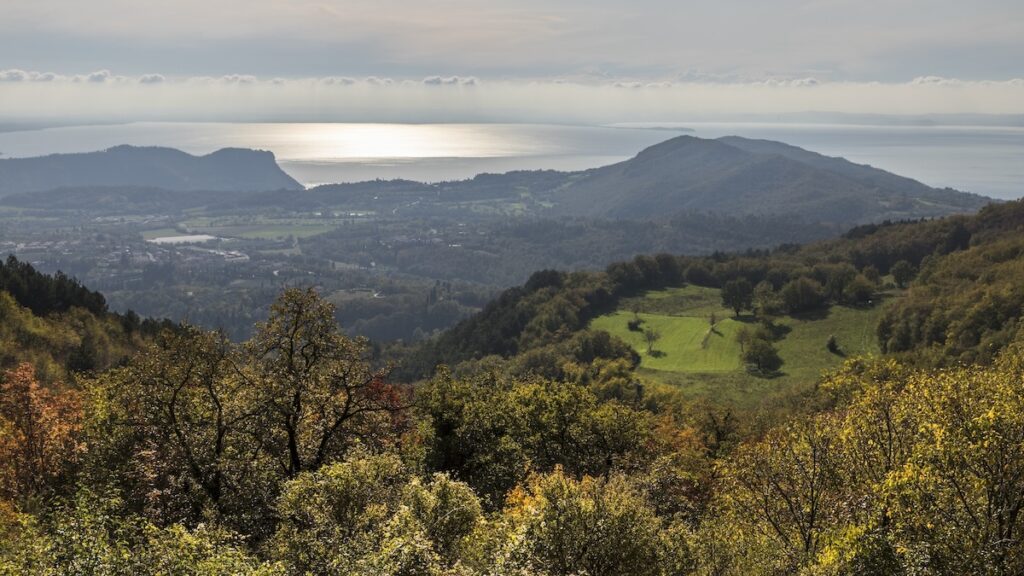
[38, 433]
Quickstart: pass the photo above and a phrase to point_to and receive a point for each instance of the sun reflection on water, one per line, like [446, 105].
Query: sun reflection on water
[367, 141]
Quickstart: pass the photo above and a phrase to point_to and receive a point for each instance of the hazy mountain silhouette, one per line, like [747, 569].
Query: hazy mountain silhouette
[731, 176]
[738, 176]
[229, 169]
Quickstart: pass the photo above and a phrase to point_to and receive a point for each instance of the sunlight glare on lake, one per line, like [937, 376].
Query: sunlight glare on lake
[368, 141]
[978, 159]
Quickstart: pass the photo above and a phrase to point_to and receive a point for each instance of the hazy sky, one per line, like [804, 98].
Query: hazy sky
[636, 60]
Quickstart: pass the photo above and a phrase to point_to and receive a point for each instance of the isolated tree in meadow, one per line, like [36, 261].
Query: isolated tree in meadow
[652, 336]
[743, 337]
[762, 356]
[832, 345]
[737, 294]
[860, 290]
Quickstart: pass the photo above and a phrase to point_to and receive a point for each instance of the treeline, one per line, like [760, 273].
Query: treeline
[61, 328]
[44, 294]
[964, 307]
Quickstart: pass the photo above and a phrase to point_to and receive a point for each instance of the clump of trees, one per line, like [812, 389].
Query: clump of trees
[899, 479]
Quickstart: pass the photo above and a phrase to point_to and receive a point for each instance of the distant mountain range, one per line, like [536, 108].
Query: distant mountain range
[230, 169]
[742, 177]
[730, 176]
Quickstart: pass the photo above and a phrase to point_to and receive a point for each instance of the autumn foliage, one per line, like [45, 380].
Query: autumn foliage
[39, 434]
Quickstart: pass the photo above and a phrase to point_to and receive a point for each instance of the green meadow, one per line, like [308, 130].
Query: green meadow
[704, 361]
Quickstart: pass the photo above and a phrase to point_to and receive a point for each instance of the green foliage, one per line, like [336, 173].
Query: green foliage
[492, 433]
[60, 344]
[737, 295]
[903, 272]
[368, 515]
[44, 294]
[759, 354]
[801, 295]
[561, 526]
[206, 424]
[915, 472]
[551, 454]
[963, 307]
[91, 534]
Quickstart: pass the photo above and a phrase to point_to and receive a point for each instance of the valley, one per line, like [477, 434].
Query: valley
[432, 254]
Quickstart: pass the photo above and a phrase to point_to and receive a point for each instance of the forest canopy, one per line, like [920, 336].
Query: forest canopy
[540, 450]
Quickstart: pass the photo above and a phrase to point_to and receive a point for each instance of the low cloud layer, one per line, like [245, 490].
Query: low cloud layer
[832, 40]
[104, 95]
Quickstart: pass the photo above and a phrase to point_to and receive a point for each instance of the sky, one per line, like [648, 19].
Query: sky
[505, 60]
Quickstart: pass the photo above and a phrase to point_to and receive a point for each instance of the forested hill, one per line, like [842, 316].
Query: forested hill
[738, 176]
[230, 169]
[61, 327]
[965, 303]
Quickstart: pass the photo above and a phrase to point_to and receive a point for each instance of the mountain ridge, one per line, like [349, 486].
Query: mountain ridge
[730, 176]
[741, 176]
[227, 169]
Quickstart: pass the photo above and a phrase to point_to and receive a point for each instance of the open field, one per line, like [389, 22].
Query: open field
[687, 343]
[706, 363]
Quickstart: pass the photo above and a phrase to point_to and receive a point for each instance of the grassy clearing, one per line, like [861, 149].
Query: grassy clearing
[707, 364]
[682, 346]
[804, 350]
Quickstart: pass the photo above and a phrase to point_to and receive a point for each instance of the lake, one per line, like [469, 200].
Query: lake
[983, 159]
[190, 239]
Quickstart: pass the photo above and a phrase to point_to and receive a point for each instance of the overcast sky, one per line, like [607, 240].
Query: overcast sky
[335, 58]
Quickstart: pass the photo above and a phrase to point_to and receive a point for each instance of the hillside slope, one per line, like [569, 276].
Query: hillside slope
[61, 327]
[743, 177]
[230, 169]
[966, 303]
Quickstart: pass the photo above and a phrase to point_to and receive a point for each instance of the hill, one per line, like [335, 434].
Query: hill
[230, 169]
[964, 305]
[61, 327]
[738, 176]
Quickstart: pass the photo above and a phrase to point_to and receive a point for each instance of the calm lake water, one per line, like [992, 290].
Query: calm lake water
[986, 160]
[190, 239]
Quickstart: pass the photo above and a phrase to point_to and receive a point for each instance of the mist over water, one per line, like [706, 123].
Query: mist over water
[985, 160]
